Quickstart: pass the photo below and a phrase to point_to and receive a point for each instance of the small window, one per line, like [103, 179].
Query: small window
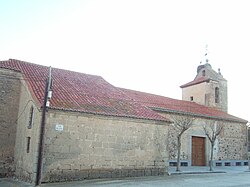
[217, 95]
[238, 163]
[172, 164]
[227, 164]
[184, 164]
[28, 145]
[191, 98]
[203, 73]
[31, 117]
[218, 164]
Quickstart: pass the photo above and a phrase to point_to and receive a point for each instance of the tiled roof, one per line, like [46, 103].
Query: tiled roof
[80, 92]
[195, 81]
[161, 103]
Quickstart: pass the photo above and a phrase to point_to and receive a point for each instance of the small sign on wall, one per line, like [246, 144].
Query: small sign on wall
[59, 127]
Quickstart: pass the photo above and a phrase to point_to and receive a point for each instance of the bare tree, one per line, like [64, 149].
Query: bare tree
[212, 130]
[181, 124]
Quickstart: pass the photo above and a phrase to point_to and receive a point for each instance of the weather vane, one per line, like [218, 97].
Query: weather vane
[205, 58]
[206, 54]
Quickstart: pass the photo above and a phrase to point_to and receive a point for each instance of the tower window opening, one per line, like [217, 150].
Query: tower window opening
[191, 98]
[203, 73]
[217, 98]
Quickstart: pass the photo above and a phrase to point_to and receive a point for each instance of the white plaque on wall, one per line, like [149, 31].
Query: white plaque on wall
[59, 127]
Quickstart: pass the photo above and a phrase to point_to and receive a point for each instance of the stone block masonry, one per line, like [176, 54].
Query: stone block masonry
[9, 104]
[230, 144]
[69, 175]
[26, 158]
[91, 146]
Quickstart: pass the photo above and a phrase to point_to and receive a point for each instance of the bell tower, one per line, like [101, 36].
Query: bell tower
[208, 88]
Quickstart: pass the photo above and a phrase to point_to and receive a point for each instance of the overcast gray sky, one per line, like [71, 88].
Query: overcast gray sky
[147, 45]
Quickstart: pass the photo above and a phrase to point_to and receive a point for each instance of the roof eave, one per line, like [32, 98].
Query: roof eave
[198, 115]
[105, 114]
[194, 83]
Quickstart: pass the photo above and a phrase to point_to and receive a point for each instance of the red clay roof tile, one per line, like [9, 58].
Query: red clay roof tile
[80, 92]
[195, 81]
[161, 103]
[92, 94]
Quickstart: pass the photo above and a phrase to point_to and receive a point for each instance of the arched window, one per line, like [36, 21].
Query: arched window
[203, 73]
[217, 95]
[31, 117]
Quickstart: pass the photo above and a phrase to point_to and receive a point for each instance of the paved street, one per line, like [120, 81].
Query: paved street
[224, 177]
[185, 180]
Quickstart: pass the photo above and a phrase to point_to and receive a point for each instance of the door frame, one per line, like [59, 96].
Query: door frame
[203, 152]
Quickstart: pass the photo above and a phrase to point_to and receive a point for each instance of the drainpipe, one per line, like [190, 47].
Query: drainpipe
[47, 94]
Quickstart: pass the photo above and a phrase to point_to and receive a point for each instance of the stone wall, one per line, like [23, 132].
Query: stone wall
[26, 153]
[230, 145]
[210, 95]
[9, 99]
[186, 141]
[80, 146]
[196, 91]
[233, 142]
[204, 94]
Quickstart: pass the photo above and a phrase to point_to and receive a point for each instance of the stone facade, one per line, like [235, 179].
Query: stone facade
[232, 142]
[230, 145]
[9, 99]
[195, 92]
[204, 92]
[85, 145]
[27, 138]
[92, 146]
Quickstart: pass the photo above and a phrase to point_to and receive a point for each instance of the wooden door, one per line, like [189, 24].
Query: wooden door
[198, 151]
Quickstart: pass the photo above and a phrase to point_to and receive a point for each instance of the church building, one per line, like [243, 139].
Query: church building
[60, 125]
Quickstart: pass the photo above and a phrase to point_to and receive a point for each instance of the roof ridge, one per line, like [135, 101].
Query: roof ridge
[170, 98]
[92, 93]
[81, 92]
[57, 68]
[25, 62]
[196, 81]
[146, 93]
[182, 106]
[72, 71]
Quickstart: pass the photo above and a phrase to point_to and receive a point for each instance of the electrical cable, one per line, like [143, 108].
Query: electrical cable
[23, 110]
